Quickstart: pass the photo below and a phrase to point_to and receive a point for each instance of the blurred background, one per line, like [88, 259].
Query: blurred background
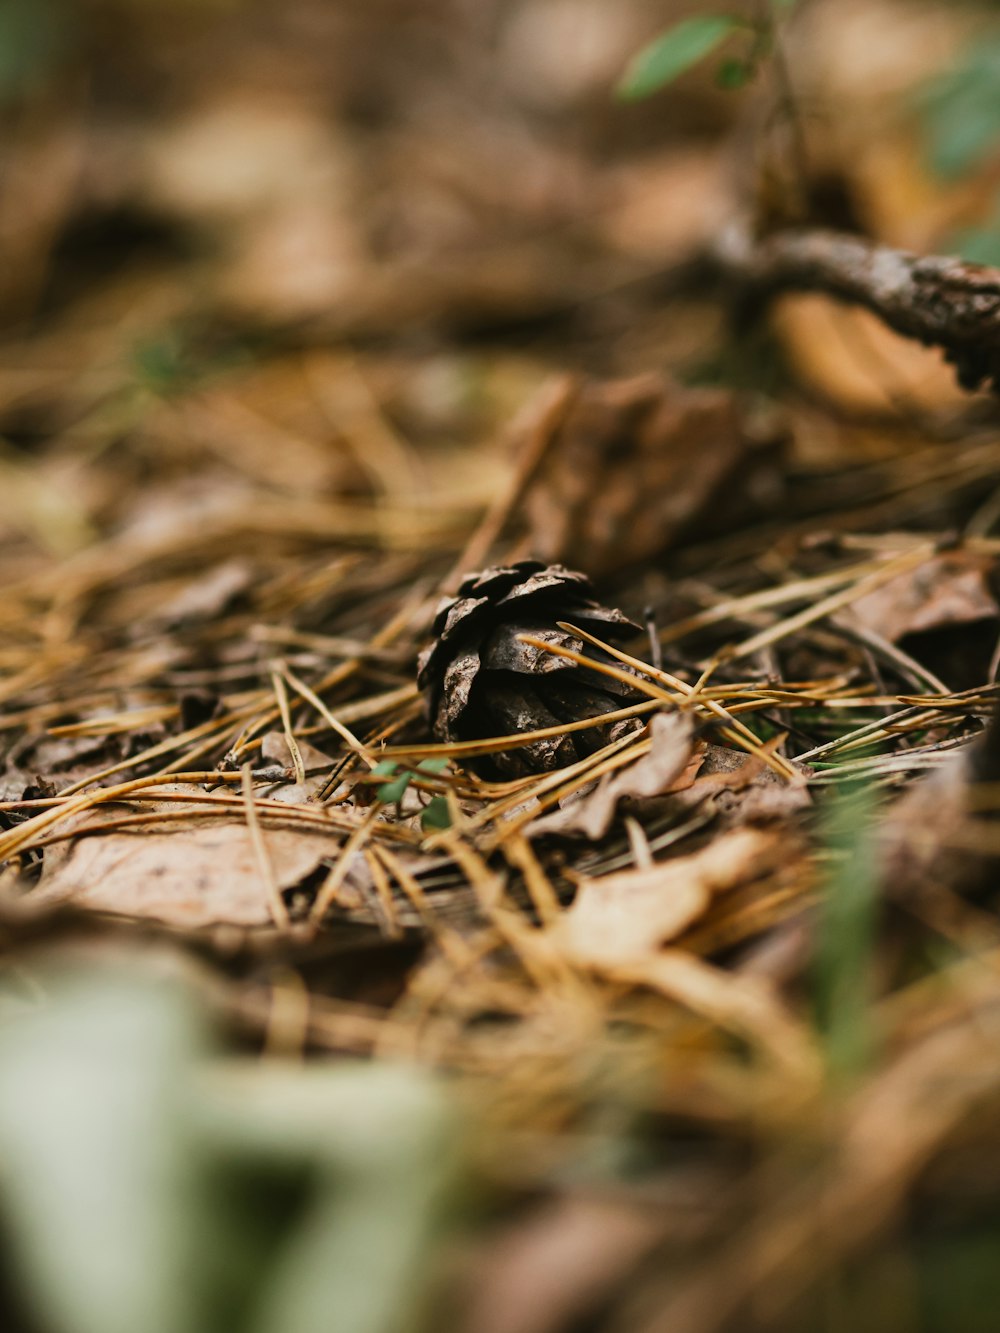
[275, 280]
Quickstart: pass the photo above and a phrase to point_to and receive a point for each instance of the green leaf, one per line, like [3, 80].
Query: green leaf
[734, 73]
[99, 1189]
[435, 814]
[433, 765]
[673, 52]
[390, 792]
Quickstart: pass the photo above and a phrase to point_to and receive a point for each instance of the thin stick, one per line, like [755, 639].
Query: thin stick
[279, 911]
[281, 695]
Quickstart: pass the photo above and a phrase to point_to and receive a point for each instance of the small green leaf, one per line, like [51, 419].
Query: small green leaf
[433, 765]
[390, 792]
[673, 52]
[435, 814]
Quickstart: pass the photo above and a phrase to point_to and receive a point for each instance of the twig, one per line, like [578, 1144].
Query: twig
[939, 300]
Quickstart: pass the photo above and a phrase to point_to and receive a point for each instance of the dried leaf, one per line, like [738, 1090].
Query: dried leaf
[552, 1267]
[944, 832]
[857, 363]
[743, 789]
[670, 757]
[208, 596]
[635, 463]
[191, 877]
[616, 919]
[954, 588]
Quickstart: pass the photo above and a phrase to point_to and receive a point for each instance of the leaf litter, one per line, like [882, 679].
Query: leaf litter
[240, 469]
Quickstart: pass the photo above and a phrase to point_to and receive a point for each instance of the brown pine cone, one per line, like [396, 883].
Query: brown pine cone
[479, 681]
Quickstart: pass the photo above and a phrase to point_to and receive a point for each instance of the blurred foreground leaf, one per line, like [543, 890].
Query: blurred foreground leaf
[847, 934]
[144, 1188]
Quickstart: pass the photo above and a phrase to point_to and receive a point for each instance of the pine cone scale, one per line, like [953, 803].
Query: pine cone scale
[480, 680]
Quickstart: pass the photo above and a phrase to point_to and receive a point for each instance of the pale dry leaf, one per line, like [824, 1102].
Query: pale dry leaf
[671, 758]
[619, 918]
[943, 834]
[195, 876]
[274, 750]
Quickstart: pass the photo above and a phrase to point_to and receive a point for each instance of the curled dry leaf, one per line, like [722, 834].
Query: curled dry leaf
[637, 462]
[743, 789]
[620, 918]
[670, 762]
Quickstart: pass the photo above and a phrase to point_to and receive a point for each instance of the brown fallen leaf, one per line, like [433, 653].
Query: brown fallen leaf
[620, 918]
[954, 588]
[671, 758]
[634, 463]
[207, 596]
[195, 876]
[742, 788]
[275, 750]
[550, 1268]
[943, 834]
[850, 358]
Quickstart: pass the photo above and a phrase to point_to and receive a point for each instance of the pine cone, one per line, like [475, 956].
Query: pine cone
[480, 681]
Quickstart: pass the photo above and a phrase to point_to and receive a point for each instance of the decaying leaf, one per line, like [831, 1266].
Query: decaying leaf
[944, 832]
[190, 877]
[671, 759]
[637, 462]
[743, 789]
[954, 588]
[618, 918]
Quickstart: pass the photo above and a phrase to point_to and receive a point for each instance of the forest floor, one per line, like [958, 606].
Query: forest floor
[311, 1021]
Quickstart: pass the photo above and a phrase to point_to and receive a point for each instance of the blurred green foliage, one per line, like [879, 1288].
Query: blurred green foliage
[146, 1185]
[961, 110]
[33, 34]
[846, 939]
[960, 115]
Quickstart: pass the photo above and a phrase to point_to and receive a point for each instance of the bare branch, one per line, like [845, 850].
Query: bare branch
[941, 301]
